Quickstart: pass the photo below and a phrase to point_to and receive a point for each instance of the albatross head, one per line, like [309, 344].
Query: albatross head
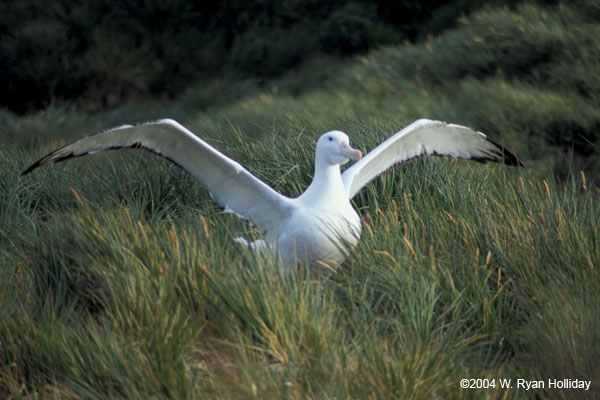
[334, 148]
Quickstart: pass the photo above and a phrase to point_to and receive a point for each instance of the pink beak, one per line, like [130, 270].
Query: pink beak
[349, 152]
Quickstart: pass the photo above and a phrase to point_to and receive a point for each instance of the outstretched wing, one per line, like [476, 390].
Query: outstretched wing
[424, 138]
[231, 185]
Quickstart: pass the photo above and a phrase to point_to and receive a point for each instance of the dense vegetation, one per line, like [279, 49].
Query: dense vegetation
[528, 72]
[101, 52]
[119, 278]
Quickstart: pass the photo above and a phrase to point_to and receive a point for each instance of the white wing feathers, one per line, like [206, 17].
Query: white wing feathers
[231, 185]
[424, 138]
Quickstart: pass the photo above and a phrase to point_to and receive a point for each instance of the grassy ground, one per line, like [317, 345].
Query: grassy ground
[119, 278]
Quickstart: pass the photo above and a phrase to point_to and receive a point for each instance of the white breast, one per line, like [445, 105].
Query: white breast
[317, 234]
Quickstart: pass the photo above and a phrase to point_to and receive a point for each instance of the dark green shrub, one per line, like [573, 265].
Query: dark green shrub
[348, 29]
[102, 53]
[267, 52]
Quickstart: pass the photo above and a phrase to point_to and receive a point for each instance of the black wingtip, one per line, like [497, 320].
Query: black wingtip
[506, 157]
[34, 165]
[57, 155]
[37, 164]
[510, 159]
[31, 168]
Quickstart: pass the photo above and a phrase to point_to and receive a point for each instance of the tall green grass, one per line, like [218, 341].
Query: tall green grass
[120, 279]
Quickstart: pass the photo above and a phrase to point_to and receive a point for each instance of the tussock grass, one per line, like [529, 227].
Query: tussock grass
[121, 280]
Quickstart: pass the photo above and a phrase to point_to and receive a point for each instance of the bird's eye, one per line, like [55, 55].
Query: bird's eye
[330, 139]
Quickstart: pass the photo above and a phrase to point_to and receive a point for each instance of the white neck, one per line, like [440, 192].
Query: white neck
[327, 185]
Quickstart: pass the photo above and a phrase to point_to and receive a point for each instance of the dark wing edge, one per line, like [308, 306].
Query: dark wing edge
[487, 151]
[56, 156]
[504, 156]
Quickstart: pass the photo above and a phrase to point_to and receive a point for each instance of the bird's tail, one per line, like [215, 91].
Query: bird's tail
[258, 245]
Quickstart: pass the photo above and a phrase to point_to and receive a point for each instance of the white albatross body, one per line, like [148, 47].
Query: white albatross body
[320, 224]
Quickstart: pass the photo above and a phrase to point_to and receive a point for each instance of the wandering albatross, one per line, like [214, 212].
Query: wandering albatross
[316, 226]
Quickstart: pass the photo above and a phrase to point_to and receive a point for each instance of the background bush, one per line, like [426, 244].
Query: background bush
[100, 52]
[527, 71]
